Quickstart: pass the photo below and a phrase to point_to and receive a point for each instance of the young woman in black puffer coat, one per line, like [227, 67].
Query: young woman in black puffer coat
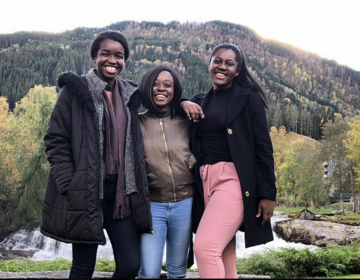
[97, 179]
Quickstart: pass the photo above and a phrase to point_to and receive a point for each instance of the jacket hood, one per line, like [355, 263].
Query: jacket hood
[77, 85]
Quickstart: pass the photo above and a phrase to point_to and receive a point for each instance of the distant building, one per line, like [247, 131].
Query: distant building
[348, 197]
[328, 169]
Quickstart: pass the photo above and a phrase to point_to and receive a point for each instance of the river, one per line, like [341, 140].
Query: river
[30, 238]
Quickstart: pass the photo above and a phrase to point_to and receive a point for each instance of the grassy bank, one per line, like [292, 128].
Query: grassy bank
[293, 210]
[287, 263]
[28, 265]
[347, 217]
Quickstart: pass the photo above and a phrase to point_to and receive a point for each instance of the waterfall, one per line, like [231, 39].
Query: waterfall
[45, 248]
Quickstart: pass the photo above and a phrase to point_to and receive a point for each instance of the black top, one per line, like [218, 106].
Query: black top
[159, 115]
[211, 131]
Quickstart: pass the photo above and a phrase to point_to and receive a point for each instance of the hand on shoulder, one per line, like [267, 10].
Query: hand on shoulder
[192, 110]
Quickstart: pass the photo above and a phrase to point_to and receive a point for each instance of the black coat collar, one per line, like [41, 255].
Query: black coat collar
[236, 103]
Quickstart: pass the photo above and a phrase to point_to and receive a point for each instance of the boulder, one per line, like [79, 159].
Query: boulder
[319, 233]
[14, 254]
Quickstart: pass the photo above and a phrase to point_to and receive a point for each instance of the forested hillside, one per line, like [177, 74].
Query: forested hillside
[306, 94]
[304, 90]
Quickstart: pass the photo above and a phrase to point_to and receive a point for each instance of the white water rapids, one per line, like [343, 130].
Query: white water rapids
[48, 249]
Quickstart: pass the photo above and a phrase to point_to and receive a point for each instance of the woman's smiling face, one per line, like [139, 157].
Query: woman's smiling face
[110, 60]
[163, 91]
[223, 68]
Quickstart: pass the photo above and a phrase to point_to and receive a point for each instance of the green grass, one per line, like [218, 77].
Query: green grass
[27, 265]
[293, 210]
[356, 276]
[346, 218]
[353, 276]
[344, 203]
[333, 262]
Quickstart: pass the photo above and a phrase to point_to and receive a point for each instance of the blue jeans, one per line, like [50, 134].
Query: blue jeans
[172, 225]
[125, 241]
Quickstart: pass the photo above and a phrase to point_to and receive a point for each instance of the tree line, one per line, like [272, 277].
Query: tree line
[302, 164]
[304, 90]
[299, 159]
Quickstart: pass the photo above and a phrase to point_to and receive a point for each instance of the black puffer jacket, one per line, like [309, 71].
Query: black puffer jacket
[72, 207]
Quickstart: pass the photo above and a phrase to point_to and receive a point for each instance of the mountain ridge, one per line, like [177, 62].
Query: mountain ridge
[304, 90]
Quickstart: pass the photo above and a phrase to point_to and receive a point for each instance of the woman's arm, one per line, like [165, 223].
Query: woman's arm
[264, 158]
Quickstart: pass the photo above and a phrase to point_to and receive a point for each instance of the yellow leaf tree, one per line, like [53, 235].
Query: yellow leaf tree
[352, 144]
[25, 157]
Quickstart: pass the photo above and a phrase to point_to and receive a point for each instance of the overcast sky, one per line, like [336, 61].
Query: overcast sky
[330, 28]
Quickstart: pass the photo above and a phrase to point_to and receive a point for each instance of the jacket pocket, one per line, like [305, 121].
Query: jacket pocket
[190, 162]
[59, 216]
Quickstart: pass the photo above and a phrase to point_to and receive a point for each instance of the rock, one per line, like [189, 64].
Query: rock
[339, 212]
[319, 233]
[281, 215]
[4, 233]
[14, 254]
[305, 214]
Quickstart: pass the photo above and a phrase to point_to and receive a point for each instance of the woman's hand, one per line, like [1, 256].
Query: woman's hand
[266, 207]
[192, 110]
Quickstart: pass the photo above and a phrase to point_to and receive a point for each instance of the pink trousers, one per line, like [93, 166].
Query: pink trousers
[215, 244]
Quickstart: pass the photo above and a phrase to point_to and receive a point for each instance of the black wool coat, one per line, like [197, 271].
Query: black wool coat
[72, 207]
[251, 149]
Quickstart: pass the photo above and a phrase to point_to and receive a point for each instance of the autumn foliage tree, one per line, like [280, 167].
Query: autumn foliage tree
[352, 144]
[9, 173]
[300, 174]
[280, 144]
[334, 153]
[24, 166]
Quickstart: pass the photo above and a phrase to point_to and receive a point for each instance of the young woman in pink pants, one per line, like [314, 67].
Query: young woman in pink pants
[234, 174]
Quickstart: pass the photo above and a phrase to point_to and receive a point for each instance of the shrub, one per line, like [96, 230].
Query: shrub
[289, 263]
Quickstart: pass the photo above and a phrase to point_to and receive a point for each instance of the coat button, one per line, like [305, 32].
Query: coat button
[247, 193]
[229, 130]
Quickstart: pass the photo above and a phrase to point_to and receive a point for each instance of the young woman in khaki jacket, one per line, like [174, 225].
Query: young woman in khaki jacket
[169, 164]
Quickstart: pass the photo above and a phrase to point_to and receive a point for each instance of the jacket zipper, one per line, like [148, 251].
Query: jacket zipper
[98, 178]
[168, 158]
